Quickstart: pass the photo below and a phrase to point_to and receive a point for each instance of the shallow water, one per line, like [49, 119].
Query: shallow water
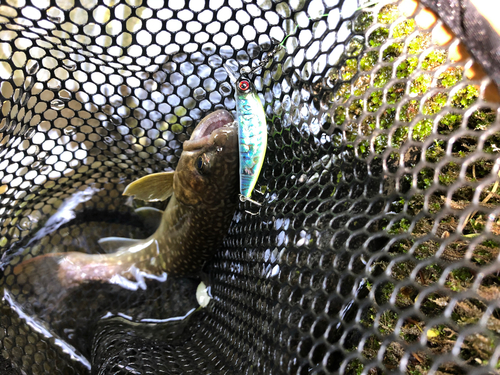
[69, 318]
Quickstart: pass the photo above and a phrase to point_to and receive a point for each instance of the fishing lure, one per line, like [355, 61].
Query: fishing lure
[252, 128]
[252, 132]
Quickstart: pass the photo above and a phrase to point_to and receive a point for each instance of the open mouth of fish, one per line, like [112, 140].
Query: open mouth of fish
[209, 130]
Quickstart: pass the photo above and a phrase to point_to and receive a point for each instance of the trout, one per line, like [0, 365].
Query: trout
[203, 192]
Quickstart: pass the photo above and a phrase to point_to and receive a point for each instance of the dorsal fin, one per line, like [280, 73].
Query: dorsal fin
[154, 187]
[111, 244]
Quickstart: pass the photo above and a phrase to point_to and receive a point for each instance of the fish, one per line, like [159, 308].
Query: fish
[203, 192]
[252, 134]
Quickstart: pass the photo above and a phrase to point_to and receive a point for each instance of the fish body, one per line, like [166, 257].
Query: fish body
[252, 134]
[203, 193]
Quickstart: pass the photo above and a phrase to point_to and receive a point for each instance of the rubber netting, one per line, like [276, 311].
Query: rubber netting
[376, 248]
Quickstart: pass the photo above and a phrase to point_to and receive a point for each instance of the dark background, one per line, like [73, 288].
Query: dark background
[5, 367]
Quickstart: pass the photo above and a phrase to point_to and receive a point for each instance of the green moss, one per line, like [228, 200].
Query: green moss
[382, 76]
[465, 97]
[344, 92]
[419, 43]
[420, 84]
[351, 131]
[388, 14]
[434, 153]
[400, 136]
[368, 125]
[422, 130]
[361, 84]
[406, 67]
[395, 93]
[374, 101]
[400, 226]
[380, 143]
[368, 60]
[449, 123]
[434, 59]
[363, 149]
[378, 37]
[462, 274]
[404, 28]
[356, 109]
[482, 119]
[354, 367]
[387, 118]
[450, 77]
[339, 115]
[409, 111]
[425, 178]
[349, 69]
[355, 46]
[392, 52]
[435, 103]
[363, 21]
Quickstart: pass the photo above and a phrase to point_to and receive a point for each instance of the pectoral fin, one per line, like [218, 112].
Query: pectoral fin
[154, 187]
[112, 244]
[151, 217]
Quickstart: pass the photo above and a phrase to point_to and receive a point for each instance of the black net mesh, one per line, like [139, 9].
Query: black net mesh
[376, 247]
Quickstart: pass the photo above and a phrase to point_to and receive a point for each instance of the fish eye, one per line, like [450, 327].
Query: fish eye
[244, 85]
[199, 163]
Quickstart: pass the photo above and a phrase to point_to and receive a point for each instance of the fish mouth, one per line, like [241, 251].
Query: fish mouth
[207, 129]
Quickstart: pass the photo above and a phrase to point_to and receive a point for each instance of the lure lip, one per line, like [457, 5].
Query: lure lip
[207, 129]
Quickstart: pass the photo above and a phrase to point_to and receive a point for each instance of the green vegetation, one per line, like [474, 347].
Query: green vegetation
[420, 84]
[378, 37]
[406, 67]
[434, 143]
[404, 28]
[392, 52]
[349, 69]
[388, 14]
[382, 76]
[465, 97]
[368, 60]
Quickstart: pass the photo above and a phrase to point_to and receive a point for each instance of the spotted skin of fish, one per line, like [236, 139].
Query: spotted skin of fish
[252, 130]
[204, 197]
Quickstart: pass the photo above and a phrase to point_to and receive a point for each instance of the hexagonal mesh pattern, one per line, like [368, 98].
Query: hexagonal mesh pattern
[376, 247]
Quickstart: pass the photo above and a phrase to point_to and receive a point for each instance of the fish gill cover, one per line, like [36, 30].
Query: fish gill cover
[376, 248]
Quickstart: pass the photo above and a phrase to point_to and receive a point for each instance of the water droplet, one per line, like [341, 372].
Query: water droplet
[108, 140]
[57, 104]
[69, 130]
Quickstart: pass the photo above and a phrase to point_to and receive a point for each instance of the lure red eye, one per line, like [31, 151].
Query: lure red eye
[244, 85]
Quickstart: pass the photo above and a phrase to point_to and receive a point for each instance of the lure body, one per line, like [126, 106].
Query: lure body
[252, 134]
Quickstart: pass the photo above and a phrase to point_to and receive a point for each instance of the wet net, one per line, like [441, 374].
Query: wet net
[376, 247]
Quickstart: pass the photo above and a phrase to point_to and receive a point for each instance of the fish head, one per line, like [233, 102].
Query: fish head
[207, 172]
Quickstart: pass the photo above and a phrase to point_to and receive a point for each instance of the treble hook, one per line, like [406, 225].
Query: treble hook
[244, 199]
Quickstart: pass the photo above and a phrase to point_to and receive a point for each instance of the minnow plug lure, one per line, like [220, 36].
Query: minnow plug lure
[252, 127]
[252, 133]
